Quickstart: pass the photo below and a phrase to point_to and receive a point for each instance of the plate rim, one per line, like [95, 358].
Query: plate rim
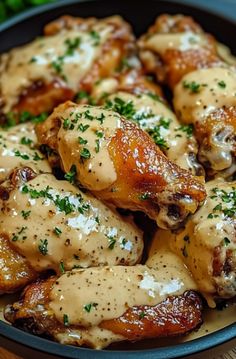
[181, 350]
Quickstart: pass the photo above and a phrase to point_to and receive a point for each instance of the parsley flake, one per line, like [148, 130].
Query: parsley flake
[71, 175]
[43, 247]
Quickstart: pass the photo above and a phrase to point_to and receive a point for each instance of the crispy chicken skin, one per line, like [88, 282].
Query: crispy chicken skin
[15, 272]
[120, 163]
[207, 245]
[141, 100]
[51, 225]
[18, 147]
[171, 57]
[203, 86]
[82, 51]
[156, 300]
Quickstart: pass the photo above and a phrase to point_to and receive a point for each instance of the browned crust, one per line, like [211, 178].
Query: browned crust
[176, 315]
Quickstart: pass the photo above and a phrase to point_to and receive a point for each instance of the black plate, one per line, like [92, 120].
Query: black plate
[140, 14]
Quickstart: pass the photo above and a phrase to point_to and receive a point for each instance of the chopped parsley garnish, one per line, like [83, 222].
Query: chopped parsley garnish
[66, 123]
[65, 320]
[124, 64]
[57, 231]
[99, 134]
[228, 198]
[222, 84]
[193, 86]
[25, 116]
[43, 247]
[111, 242]
[97, 147]
[40, 118]
[157, 137]
[101, 118]
[26, 141]
[72, 45]
[16, 236]
[188, 129]
[85, 153]
[62, 267]
[71, 175]
[64, 205]
[89, 306]
[36, 157]
[25, 214]
[96, 37]
[22, 155]
[33, 59]
[125, 109]
[82, 141]
[57, 65]
[142, 315]
[144, 196]
[226, 241]
[82, 127]
[154, 96]
[123, 242]
[88, 115]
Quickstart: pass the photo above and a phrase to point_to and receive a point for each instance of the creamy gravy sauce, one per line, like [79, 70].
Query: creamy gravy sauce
[213, 320]
[95, 289]
[42, 60]
[188, 40]
[17, 148]
[217, 88]
[154, 116]
[56, 226]
[208, 228]
[84, 143]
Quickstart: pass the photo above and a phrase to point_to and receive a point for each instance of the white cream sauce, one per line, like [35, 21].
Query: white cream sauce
[95, 289]
[155, 117]
[56, 226]
[217, 89]
[84, 143]
[207, 229]
[183, 41]
[68, 55]
[17, 148]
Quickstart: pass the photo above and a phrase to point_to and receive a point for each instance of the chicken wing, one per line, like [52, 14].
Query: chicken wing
[141, 101]
[53, 225]
[15, 271]
[153, 302]
[120, 163]
[176, 45]
[73, 54]
[18, 148]
[204, 86]
[207, 245]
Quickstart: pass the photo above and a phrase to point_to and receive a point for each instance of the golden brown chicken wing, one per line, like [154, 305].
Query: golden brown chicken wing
[207, 245]
[120, 163]
[203, 85]
[176, 45]
[153, 302]
[53, 225]
[18, 148]
[15, 271]
[73, 54]
[141, 101]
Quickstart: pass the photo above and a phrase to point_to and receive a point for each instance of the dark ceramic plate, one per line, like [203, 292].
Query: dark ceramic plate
[140, 14]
